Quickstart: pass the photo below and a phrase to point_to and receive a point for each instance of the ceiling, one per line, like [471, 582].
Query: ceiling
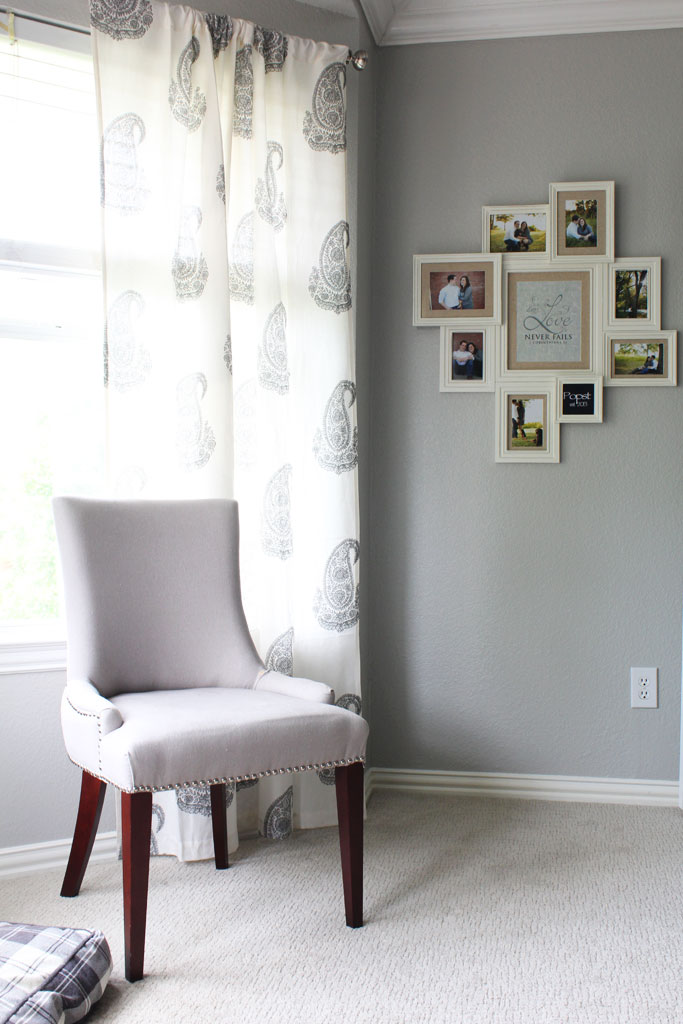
[400, 22]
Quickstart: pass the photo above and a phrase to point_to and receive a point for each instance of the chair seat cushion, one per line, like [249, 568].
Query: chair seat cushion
[52, 975]
[175, 738]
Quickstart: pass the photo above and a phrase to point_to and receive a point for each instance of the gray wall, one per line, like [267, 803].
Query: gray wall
[508, 602]
[40, 785]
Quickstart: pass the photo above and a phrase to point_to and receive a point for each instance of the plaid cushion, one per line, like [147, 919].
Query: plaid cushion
[50, 975]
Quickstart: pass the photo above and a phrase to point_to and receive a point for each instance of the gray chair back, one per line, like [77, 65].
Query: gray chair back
[152, 593]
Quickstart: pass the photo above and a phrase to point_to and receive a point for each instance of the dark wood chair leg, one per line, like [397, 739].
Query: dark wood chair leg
[136, 832]
[219, 820]
[87, 820]
[350, 804]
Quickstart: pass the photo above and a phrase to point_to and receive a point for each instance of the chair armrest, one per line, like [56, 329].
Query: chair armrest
[87, 716]
[87, 700]
[294, 686]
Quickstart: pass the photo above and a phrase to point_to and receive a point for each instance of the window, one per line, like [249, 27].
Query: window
[51, 392]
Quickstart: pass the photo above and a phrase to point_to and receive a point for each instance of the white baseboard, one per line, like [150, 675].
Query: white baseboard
[580, 789]
[23, 860]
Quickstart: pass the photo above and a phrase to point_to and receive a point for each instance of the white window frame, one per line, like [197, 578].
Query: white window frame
[40, 647]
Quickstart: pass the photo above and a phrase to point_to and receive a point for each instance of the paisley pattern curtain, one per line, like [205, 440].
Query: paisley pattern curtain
[229, 353]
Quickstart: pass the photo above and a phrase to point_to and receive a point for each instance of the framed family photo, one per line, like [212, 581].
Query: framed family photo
[516, 230]
[633, 293]
[582, 217]
[526, 428]
[640, 360]
[550, 320]
[463, 287]
[579, 399]
[468, 358]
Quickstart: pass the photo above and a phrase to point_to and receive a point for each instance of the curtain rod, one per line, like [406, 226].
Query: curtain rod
[358, 58]
[13, 12]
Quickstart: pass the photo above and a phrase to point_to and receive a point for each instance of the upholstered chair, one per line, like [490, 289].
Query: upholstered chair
[165, 688]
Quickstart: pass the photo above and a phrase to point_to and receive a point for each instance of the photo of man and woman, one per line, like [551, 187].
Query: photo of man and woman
[511, 231]
[467, 355]
[581, 223]
[637, 358]
[527, 425]
[457, 289]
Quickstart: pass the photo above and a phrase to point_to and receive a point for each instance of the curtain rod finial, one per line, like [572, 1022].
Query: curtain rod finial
[359, 59]
[9, 27]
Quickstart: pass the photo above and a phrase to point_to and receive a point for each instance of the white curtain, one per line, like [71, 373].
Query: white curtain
[229, 354]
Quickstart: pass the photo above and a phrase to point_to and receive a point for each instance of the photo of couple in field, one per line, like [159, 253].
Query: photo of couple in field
[527, 423]
[641, 358]
[581, 223]
[513, 231]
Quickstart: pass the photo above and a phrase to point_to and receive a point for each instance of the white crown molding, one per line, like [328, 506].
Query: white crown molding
[24, 860]
[570, 788]
[345, 7]
[425, 21]
[380, 15]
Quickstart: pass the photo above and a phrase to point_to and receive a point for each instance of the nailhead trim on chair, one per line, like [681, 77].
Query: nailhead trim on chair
[200, 782]
[234, 778]
[98, 716]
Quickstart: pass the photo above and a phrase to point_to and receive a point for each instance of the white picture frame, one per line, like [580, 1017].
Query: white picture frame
[626, 354]
[524, 214]
[487, 340]
[538, 398]
[584, 278]
[574, 392]
[599, 222]
[648, 312]
[431, 273]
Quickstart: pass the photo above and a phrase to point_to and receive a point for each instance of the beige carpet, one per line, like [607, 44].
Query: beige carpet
[478, 911]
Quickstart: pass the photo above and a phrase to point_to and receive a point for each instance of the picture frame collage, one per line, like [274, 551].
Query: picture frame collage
[545, 316]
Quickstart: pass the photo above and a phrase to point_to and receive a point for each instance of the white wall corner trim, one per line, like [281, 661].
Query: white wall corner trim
[416, 21]
[24, 860]
[578, 789]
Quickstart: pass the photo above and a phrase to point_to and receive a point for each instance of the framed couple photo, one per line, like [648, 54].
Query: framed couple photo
[517, 231]
[468, 358]
[463, 287]
[643, 359]
[582, 219]
[526, 427]
[576, 225]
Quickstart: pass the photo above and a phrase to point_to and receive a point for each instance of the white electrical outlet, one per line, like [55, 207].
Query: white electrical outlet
[644, 688]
